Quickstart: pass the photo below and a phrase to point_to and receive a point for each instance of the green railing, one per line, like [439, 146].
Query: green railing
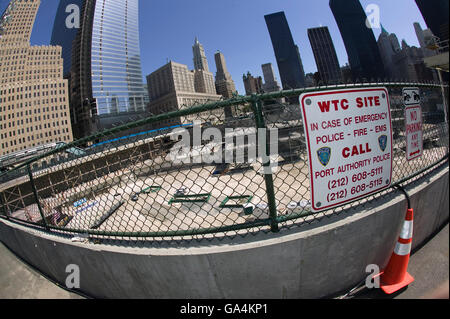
[138, 187]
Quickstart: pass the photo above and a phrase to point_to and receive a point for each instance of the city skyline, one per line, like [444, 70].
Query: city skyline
[287, 52]
[325, 54]
[363, 53]
[247, 48]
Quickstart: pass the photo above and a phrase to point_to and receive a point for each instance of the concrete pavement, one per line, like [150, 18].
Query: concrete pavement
[20, 281]
[429, 265]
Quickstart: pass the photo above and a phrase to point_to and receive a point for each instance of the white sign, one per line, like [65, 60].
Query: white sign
[349, 138]
[414, 133]
[411, 96]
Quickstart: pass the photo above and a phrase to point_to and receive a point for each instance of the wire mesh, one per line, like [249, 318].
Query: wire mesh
[200, 172]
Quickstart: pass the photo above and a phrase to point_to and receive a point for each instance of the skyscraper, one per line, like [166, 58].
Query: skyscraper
[325, 55]
[224, 83]
[203, 79]
[423, 36]
[388, 46]
[394, 42]
[286, 52]
[34, 107]
[65, 29]
[435, 14]
[419, 34]
[200, 61]
[82, 104]
[172, 88]
[106, 76]
[116, 60]
[363, 55]
[409, 64]
[16, 23]
[270, 81]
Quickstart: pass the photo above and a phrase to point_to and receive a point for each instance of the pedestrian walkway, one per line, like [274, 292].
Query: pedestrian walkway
[20, 281]
[429, 265]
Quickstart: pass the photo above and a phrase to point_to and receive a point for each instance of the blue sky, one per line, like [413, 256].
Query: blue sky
[237, 28]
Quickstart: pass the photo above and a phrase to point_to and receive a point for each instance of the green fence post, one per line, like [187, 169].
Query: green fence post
[3, 209]
[261, 124]
[33, 187]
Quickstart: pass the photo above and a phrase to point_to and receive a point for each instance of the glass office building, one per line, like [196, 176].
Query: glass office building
[102, 60]
[362, 49]
[325, 55]
[286, 52]
[117, 82]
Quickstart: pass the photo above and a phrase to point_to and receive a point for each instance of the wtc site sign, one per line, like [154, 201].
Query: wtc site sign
[349, 139]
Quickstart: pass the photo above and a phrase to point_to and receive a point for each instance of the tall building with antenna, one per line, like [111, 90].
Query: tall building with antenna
[200, 61]
[203, 78]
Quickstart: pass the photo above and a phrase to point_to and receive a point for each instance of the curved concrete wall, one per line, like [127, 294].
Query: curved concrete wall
[308, 262]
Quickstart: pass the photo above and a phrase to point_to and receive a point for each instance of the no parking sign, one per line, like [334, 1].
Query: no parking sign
[413, 123]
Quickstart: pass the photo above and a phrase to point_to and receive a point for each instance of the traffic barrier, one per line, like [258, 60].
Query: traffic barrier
[395, 276]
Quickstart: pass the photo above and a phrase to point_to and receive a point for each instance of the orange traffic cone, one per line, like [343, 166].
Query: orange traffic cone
[395, 276]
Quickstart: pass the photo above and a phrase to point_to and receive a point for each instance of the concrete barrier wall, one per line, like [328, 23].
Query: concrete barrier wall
[61, 177]
[314, 261]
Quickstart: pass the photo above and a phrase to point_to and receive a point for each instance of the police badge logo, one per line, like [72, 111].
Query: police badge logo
[382, 142]
[324, 155]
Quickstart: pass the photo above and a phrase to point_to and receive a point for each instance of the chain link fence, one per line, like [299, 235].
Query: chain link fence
[201, 172]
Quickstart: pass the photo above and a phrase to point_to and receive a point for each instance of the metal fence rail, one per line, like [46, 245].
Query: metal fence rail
[148, 186]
